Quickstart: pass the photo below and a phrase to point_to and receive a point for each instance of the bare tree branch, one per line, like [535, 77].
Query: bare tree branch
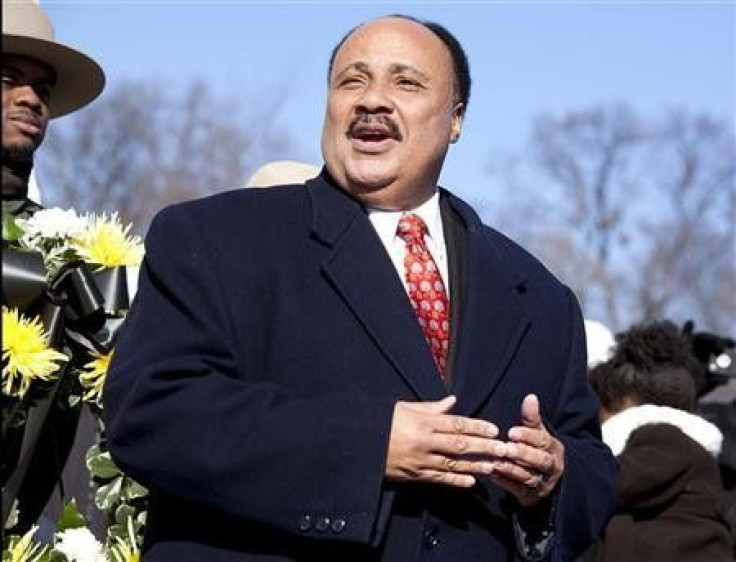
[639, 216]
[140, 148]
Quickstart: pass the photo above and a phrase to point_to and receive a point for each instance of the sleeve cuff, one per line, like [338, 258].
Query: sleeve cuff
[534, 530]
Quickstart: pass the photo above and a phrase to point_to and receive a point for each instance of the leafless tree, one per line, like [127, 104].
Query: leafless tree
[692, 263]
[140, 148]
[637, 215]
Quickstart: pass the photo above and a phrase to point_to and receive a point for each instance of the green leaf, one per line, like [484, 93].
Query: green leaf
[117, 531]
[109, 494]
[11, 230]
[93, 451]
[122, 513]
[101, 465]
[54, 556]
[71, 518]
[133, 490]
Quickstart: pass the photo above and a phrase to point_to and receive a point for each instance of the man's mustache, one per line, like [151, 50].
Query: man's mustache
[369, 119]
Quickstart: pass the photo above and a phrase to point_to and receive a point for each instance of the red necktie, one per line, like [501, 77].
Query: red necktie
[426, 289]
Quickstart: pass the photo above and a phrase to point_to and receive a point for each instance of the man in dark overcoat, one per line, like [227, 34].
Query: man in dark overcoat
[356, 368]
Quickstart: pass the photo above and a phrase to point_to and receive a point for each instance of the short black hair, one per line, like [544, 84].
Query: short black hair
[460, 65]
[651, 364]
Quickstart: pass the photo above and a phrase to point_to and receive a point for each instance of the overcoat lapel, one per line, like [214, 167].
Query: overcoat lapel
[492, 320]
[361, 271]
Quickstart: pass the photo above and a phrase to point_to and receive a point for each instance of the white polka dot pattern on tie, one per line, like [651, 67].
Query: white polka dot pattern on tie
[426, 289]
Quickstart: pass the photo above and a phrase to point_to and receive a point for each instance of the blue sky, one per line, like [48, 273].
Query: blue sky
[527, 58]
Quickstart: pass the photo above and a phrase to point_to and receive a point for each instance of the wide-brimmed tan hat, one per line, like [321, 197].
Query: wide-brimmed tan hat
[28, 31]
[282, 172]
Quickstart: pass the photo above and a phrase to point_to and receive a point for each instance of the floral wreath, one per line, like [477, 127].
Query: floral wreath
[65, 296]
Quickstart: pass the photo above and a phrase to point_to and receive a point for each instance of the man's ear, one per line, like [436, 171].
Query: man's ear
[457, 122]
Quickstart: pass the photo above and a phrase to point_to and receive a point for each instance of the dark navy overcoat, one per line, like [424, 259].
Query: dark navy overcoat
[253, 385]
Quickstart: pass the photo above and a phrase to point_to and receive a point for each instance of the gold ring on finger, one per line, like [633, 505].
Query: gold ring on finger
[535, 483]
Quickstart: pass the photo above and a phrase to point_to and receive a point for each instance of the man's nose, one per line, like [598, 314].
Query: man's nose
[26, 94]
[376, 99]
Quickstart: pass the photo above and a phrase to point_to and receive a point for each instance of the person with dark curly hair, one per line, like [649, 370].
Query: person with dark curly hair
[669, 493]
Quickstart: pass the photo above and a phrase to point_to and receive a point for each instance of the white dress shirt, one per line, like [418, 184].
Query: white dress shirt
[387, 222]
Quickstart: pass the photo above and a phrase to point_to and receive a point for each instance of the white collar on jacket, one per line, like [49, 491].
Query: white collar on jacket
[617, 428]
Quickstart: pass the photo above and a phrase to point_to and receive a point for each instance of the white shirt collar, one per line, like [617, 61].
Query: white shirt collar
[386, 222]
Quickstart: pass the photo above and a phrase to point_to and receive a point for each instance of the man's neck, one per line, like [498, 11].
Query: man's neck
[15, 180]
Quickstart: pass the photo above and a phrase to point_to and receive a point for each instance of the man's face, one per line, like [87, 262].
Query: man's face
[27, 87]
[391, 113]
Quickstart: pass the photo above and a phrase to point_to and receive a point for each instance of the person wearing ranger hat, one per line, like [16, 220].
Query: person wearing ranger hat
[42, 79]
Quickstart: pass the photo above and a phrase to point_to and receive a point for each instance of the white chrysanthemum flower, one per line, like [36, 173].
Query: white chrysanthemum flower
[53, 223]
[79, 545]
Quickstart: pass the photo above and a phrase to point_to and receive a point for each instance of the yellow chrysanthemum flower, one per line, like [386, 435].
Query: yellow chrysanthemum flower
[25, 550]
[93, 375]
[126, 550]
[106, 243]
[123, 552]
[26, 356]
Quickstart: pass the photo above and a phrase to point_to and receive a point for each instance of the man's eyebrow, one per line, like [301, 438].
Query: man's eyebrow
[359, 66]
[7, 67]
[398, 68]
[19, 73]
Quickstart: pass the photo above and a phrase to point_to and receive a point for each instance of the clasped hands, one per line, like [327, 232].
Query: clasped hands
[429, 444]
